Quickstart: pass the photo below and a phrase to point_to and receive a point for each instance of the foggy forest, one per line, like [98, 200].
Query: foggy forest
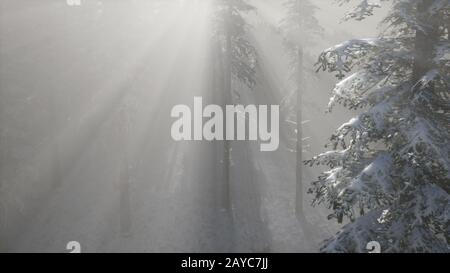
[87, 96]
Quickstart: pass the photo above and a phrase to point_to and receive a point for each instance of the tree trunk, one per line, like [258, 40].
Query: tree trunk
[55, 125]
[299, 166]
[125, 208]
[124, 186]
[425, 41]
[299, 208]
[227, 99]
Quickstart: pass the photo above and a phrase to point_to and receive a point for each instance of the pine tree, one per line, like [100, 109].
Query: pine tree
[299, 28]
[237, 64]
[390, 165]
[55, 120]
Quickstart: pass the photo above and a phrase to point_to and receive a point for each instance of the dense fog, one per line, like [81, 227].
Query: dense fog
[86, 93]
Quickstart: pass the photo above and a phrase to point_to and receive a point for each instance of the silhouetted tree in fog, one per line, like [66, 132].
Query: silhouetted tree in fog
[124, 167]
[390, 165]
[237, 58]
[299, 27]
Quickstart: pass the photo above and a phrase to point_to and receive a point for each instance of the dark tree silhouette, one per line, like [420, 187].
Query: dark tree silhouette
[237, 62]
[299, 27]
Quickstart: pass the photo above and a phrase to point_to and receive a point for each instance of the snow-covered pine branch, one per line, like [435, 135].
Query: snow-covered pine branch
[390, 165]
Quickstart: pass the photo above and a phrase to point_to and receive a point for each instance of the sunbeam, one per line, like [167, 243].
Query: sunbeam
[248, 126]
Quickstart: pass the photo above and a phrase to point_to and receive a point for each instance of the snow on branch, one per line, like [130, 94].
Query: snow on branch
[425, 141]
[341, 58]
[400, 227]
[375, 178]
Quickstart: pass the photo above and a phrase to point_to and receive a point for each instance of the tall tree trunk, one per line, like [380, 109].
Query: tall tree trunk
[124, 183]
[425, 40]
[55, 124]
[125, 208]
[299, 208]
[5, 163]
[227, 99]
[5, 158]
[299, 166]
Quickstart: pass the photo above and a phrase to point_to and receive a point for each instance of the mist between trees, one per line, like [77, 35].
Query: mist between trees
[360, 153]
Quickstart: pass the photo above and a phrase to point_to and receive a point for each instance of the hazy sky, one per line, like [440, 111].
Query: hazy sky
[330, 14]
